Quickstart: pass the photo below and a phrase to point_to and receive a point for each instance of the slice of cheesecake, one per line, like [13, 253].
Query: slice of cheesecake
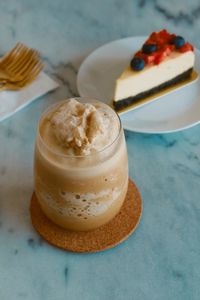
[164, 60]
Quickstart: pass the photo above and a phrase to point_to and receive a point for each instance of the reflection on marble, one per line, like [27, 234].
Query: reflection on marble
[161, 260]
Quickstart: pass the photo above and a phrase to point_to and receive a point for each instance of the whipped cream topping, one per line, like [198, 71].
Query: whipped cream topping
[83, 128]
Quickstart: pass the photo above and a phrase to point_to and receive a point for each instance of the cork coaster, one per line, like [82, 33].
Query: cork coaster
[102, 238]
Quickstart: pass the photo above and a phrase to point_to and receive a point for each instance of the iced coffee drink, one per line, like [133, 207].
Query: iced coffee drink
[81, 168]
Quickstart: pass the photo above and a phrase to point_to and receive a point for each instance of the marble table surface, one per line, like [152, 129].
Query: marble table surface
[161, 260]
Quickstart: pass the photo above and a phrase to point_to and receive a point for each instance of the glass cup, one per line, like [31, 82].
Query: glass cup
[81, 192]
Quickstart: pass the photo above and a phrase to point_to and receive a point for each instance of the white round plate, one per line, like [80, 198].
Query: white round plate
[172, 112]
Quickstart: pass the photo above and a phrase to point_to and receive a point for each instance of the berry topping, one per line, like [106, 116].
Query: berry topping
[149, 48]
[178, 41]
[157, 47]
[160, 56]
[159, 38]
[150, 58]
[137, 64]
[186, 47]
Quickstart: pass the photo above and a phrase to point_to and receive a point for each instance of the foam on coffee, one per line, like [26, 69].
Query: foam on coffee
[75, 128]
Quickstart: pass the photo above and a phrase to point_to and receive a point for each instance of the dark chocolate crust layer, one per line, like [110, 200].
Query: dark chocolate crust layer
[127, 101]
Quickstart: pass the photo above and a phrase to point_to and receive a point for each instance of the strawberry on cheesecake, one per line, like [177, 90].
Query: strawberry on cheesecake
[164, 60]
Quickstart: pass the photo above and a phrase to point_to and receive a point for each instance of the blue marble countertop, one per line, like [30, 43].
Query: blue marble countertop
[161, 260]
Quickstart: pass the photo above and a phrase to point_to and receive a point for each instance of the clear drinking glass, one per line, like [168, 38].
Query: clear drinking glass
[81, 192]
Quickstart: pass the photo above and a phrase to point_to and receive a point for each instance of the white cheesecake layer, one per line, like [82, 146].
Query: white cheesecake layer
[132, 83]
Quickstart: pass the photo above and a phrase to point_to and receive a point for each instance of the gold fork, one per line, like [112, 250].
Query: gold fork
[8, 85]
[18, 63]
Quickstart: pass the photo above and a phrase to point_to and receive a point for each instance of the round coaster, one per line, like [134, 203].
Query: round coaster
[104, 237]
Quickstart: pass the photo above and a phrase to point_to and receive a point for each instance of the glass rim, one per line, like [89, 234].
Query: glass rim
[77, 156]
